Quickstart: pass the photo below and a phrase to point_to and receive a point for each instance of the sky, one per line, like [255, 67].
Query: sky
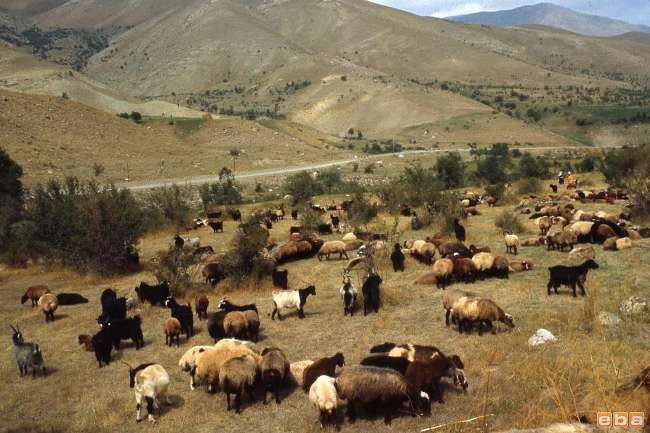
[633, 11]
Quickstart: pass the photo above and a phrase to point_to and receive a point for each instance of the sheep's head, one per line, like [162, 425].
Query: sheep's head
[17, 337]
[508, 320]
[340, 360]
[591, 264]
[223, 303]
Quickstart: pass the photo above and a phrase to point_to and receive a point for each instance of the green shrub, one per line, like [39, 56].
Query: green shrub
[242, 259]
[361, 211]
[302, 187]
[172, 203]
[225, 192]
[508, 221]
[310, 218]
[11, 194]
[450, 170]
[529, 185]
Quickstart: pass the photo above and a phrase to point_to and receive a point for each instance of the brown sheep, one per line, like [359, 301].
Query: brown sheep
[172, 331]
[285, 252]
[470, 311]
[34, 293]
[332, 247]
[236, 376]
[86, 341]
[209, 363]
[605, 231]
[449, 299]
[443, 270]
[274, 370]
[201, 306]
[425, 375]
[464, 270]
[235, 324]
[521, 266]
[253, 326]
[427, 279]
[326, 366]
[447, 249]
[500, 267]
[48, 303]
[610, 244]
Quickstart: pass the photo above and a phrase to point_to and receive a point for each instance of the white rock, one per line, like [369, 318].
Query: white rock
[633, 306]
[542, 336]
[608, 319]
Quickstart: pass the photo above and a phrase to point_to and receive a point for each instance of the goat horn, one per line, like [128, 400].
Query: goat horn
[127, 364]
[12, 328]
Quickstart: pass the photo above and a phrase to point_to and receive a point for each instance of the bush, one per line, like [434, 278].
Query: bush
[509, 221]
[529, 185]
[176, 267]
[497, 190]
[530, 166]
[223, 193]
[450, 170]
[361, 211]
[11, 194]
[242, 259]
[172, 203]
[587, 164]
[419, 186]
[493, 167]
[447, 208]
[620, 163]
[302, 187]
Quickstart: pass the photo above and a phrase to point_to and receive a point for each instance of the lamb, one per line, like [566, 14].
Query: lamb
[150, 382]
[154, 294]
[469, 311]
[70, 299]
[396, 363]
[48, 304]
[184, 315]
[450, 297]
[201, 304]
[34, 293]
[274, 370]
[123, 329]
[397, 258]
[235, 324]
[85, 340]
[370, 292]
[280, 279]
[209, 362]
[332, 247]
[172, 330]
[524, 265]
[326, 366]
[512, 242]
[570, 276]
[381, 387]
[459, 231]
[322, 394]
[236, 376]
[102, 343]
[348, 294]
[28, 355]
[443, 270]
[291, 299]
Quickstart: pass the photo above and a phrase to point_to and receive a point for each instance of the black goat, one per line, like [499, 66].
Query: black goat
[155, 295]
[102, 345]
[570, 276]
[280, 278]
[236, 215]
[228, 306]
[184, 315]
[294, 214]
[335, 221]
[397, 257]
[325, 229]
[460, 231]
[216, 226]
[71, 299]
[215, 325]
[179, 242]
[393, 362]
[123, 329]
[113, 308]
[370, 292]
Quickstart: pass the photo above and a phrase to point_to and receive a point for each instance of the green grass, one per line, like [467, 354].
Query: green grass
[580, 137]
[609, 113]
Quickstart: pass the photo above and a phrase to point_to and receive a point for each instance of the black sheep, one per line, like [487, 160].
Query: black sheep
[123, 329]
[280, 278]
[215, 325]
[155, 295]
[335, 221]
[179, 242]
[325, 229]
[184, 315]
[396, 363]
[370, 292]
[569, 276]
[397, 257]
[460, 231]
[71, 299]
[216, 226]
[113, 308]
[102, 345]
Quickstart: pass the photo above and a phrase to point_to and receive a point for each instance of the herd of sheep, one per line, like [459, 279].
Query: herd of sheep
[392, 376]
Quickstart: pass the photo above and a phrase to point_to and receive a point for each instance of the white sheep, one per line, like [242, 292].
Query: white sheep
[322, 395]
[483, 261]
[187, 363]
[512, 243]
[150, 382]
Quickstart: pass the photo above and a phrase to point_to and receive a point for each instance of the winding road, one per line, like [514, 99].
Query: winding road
[247, 175]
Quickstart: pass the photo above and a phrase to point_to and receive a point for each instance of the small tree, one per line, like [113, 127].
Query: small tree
[450, 170]
[529, 166]
[11, 194]
[302, 187]
[234, 154]
[172, 203]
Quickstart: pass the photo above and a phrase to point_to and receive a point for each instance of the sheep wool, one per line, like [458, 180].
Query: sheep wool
[322, 394]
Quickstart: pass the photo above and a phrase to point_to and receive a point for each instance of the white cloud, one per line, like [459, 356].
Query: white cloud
[461, 9]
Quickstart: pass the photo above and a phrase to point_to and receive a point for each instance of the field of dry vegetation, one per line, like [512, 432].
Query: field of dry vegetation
[522, 386]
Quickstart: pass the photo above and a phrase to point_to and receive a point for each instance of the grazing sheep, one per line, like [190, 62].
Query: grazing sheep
[543, 224]
[448, 249]
[332, 247]
[582, 229]
[396, 363]
[484, 262]
[623, 243]
[150, 382]
[397, 258]
[280, 278]
[561, 240]
[569, 276]
[201, 304]
[464, 269]
[348, 294]
[235, 324]
[34, 293]
[443, 270]
[85, 340]
[531, 242]
[102, 344]
[48, 305]
[70, 299]
[172, 330]
[427, 279]
[209, 362]
[27, 355]
[370, 292]
[154, 294]
[274, 371]
[500, 267]
[379, 387]
[470, 311]
[512, 242]
[450, 297]
[253, 326]
[425, 375]
[123, 329]
[326, 366]
[291, 299]
[322, 394]
[184, 315]
[236, 376]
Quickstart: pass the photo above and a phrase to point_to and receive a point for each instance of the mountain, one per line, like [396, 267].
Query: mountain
[552, 15]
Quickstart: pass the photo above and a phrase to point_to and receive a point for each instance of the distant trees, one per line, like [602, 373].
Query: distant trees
[492, 165]
[533, 167]
[224, 192]
[450, 170]
[172, 204]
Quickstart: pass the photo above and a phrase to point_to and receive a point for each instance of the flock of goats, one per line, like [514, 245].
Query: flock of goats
[393, 376]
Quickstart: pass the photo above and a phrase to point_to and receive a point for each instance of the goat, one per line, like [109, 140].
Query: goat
[184, 315]
[570, 276]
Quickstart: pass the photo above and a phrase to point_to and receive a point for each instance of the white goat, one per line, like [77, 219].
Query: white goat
[150, 382]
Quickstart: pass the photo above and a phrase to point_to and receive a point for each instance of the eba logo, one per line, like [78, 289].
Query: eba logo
[630, 420]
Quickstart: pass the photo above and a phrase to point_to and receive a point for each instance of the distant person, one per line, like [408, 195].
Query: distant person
[571, 181]
[560, 178]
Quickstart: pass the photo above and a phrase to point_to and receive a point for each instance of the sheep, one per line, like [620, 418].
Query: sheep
[469, 311]
[150, 382]
[459, 230]
[584, 253]
[381, 387]
[349, 237]
[450, 297]
[70, 299]
[623, 243]
[524, 265]
[215, 325]
[253, 326]
[216, 225]
[348, 294]
[322, 394]
[48, 305]
[85, 340]
[34, 293]
[500, 267]
[370, 290]
[512, 242]
[544, 224]
[236, 376]
[443, 270]
[112, 306]
[570, 276]
[226, 305]
[296, 371]
[464, 269]
[582, 229]
[484, 262]
[209, 362]
[123, 329]
[188, 361]
[201, 304]
[326, 366]
[102, 344]
[397, 258]
[154, 294]
[184, 315]
[425, 374]
[561, 240]
[332, 247]
[172, 330]
[447, 249]
[396, 363]
[291, 299]
[532, 242]
[27, 355]
[274, 371]
[428, 278]
[475, 250]
[424, 251]
[610, 244]
[235, 324]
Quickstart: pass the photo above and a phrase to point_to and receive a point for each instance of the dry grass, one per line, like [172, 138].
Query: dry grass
[527, 386]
